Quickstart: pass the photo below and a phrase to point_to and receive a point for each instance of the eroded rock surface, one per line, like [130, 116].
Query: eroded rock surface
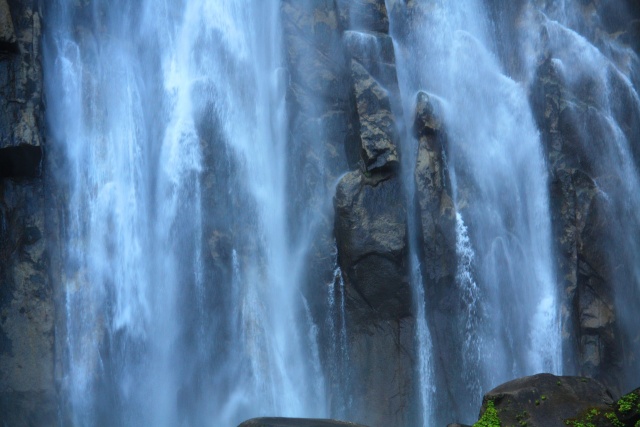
[27, 385]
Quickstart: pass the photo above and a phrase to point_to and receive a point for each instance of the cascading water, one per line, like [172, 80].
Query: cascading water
[499, 179]
[182, 283]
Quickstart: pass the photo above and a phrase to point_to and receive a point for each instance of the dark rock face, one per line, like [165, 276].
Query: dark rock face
[437, 212]
[372, 243]
[371, 230]
[296, 422]
[21, 161]
[27, 385]
[582, 227]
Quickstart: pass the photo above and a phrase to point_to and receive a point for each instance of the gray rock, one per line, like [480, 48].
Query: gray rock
[377, 122]
[371, 235]
[370, 15]
[574, 134]
[27, 316]
[7, 33]
[296, 422]
[546, 400]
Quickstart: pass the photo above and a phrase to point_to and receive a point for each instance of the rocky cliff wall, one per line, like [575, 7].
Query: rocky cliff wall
[27, 313]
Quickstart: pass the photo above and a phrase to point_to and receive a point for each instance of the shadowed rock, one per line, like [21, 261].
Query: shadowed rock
[296, 422]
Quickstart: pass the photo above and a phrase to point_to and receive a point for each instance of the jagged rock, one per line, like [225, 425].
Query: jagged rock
[546, 400]
[377, 121]
[437, 212]
[296, 422]
[368, 15]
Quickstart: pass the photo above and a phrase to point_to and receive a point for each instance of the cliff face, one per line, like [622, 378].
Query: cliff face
[27, 389]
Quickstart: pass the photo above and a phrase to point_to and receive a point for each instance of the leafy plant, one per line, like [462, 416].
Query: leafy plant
[627, 402]
[611, 416]
[490, 417]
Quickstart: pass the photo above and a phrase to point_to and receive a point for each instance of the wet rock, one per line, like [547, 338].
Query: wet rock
[296, 422]
[546, 400]
[377, 122]
[575, 137]
[368, 15]
[372, 241]
[437, 213]
[370, 230]
[375, 52]
[27, 316]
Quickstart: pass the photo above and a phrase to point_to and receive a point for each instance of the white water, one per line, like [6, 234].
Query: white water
[499, 179]
[156, 334]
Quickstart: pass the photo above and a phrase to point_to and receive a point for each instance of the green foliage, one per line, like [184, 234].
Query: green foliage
[627, 402]
[490, 417]
[543, 397]
[637, 424]
[611, 416]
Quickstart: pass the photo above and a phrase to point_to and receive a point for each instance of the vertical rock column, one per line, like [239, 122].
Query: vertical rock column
[27, 389]
[371, 230]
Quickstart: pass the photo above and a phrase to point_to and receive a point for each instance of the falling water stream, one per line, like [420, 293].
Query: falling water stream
[172, 123]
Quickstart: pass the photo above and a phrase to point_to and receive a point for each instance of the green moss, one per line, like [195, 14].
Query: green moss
[490, 417]
[627, 402]
[543, 397]
[584, 422]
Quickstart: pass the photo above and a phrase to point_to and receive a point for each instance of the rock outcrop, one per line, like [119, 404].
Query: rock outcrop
[583, 128]
[27, 385]
[371, 229]
[547, 400]
[296, 422]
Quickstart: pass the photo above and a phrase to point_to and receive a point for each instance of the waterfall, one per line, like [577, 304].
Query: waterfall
[198, 145]
[498, 176]
[183, 296]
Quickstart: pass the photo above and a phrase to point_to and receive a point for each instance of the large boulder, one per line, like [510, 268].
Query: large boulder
[296, 422]
[371, 233]
[546, 400]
